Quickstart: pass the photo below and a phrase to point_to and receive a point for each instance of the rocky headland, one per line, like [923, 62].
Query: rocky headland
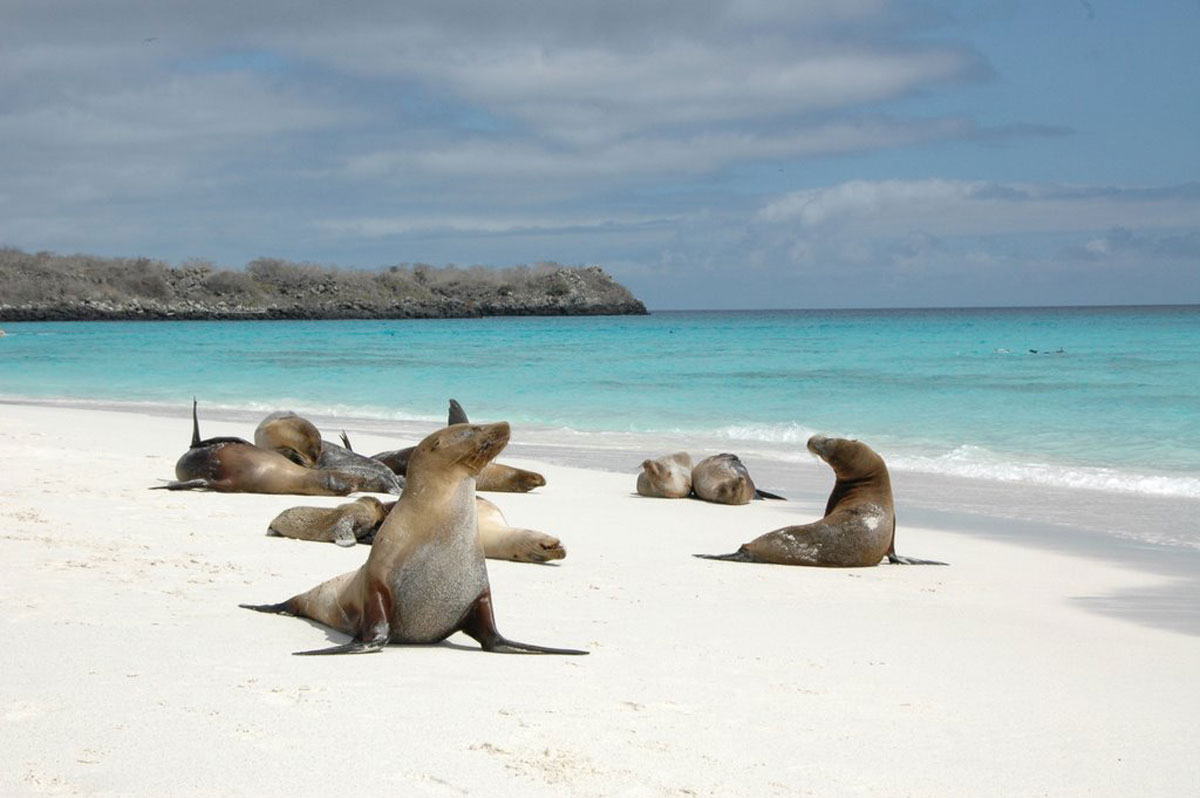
[47, 287]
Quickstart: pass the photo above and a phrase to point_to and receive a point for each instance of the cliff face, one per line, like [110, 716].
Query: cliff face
[47, 287]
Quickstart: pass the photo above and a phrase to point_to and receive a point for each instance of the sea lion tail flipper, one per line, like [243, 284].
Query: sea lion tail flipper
[896, 559]
[346, 441]
[457, 414]
[195, 425]
[185, 485]
[741, 555]
[282, 608]
[762, 494]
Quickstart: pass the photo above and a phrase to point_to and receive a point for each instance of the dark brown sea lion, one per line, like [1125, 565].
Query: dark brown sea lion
[425, 577]
[495, 477]
[666, 477]
[372, 475]
[293, 436]
[344, 525]
[859, 527]
[233, 465]
[723, 479]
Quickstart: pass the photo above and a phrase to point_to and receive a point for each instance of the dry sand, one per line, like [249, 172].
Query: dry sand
[128, 668]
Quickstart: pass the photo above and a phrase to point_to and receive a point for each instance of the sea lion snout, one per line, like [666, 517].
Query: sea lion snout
[482, 442]
[819, 445]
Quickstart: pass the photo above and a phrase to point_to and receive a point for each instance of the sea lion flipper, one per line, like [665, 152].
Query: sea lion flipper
[896, 559]
[353, 647]
[480, 623]
[185, 485]
[457, 414]
[762, 494]
[741, 555]
[195, 426]
[346, 441]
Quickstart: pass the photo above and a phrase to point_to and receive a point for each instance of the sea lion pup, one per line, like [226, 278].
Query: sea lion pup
[666, 477]
[344, 525]
[495, 477]
[293, 436]
[723, 479]
[233, 465]
[503, 542]
[372, 475]
[425, 577]
[859, 527]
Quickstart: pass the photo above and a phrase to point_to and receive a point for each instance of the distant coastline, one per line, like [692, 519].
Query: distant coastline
[48, 287]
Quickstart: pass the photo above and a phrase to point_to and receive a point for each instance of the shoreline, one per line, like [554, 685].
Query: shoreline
[705, 678]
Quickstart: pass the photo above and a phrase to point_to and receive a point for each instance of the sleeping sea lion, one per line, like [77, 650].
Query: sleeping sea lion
[293, 436]
[344, 525]
[503, 542]
[666, 477]
[425, 577]
[859, 527]
[495, 477]
[358, 521]
[233, 465]
[372, 475]
[723, 479]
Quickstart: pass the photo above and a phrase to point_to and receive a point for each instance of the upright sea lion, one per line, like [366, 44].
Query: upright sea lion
[723, 479]
[859, 527]
[344, 525]
[233, 465]
[495, 477]
[666, 477]
[372, 475]
[293, 436]
[425, 577]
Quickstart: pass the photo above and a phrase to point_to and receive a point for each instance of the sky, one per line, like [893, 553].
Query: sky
[707, 154]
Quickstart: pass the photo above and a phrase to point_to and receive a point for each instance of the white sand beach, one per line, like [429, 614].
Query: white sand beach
[128, 668]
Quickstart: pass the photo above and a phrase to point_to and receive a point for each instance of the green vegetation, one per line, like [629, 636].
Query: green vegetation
[46, 286]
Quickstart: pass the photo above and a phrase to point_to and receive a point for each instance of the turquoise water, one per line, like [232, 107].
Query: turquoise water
[1110, 400]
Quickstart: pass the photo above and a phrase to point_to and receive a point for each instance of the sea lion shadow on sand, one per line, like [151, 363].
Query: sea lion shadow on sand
[859, 526]
[425, 578]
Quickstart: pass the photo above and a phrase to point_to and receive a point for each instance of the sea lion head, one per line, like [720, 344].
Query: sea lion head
[471, 446]
[293, 436]
[848, 458]
[528, 480]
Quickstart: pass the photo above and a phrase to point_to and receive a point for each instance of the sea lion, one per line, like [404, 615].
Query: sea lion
[723, 479]
[425, 577]
[501, 478]
[495, 477]
[666, 477]
[358, 521]
[234, 465]
[503, 542]
[293, 436]
[344, 525]
[859, 527]
[372, 475]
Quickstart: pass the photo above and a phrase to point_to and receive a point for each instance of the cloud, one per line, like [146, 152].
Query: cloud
[963, 207]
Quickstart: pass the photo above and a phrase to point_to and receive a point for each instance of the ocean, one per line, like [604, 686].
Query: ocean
[1096, 402]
